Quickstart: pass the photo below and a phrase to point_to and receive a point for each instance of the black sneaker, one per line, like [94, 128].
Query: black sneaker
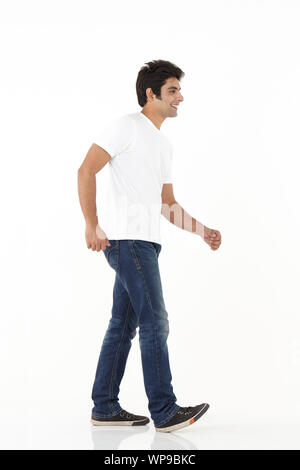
[122, 419]
[184, 417]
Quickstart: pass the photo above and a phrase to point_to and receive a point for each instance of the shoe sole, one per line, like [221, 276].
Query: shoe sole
[188, 422]
[119, 423]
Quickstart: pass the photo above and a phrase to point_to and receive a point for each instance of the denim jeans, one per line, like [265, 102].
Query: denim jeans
[137, 302]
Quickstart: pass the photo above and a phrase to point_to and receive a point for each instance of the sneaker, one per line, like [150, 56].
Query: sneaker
[184, 417]
[122, 419]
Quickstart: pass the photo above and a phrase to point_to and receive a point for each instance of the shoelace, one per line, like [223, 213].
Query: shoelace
[185, 410]
[126, 415]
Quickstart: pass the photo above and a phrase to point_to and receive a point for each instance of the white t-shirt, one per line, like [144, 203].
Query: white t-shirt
[141, 161]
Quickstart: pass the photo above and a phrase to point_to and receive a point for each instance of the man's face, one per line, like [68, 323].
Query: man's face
[170, 96]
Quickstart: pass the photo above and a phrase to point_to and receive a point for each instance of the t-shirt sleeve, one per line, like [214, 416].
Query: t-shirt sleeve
[116, 136]
[167, 175]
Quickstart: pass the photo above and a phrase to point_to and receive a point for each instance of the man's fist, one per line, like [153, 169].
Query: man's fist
[95, 238]
[212, 238]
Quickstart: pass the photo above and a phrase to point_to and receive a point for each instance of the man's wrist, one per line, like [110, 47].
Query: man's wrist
[92, 223]
[200, 229]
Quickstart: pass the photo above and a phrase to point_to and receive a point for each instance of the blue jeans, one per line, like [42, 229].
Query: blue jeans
[137, 302]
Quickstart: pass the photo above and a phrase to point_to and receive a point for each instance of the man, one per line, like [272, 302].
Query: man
[128, 232]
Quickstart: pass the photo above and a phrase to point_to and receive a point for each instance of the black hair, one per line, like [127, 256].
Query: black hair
[154, 75]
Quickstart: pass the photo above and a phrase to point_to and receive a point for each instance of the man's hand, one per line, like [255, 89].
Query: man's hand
[96, 239]
[212, 238]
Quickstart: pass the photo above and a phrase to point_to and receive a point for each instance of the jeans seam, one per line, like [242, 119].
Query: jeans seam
[142, 274]
[135, 256]
[118, 255]
[153, 319]
[117, 353]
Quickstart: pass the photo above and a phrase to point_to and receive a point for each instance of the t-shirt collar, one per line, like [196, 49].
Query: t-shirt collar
[149, 121]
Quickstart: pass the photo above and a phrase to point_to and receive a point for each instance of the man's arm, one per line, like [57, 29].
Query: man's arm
[94, 161]
[175, 214]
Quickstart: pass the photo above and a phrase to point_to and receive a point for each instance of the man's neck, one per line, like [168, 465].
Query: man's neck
[156, 119]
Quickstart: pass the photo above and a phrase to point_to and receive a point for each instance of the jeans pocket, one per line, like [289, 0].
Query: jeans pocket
[111, 254]
[157, 247]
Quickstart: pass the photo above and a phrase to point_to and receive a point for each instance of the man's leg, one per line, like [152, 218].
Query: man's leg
[139, 271]
[114, 352]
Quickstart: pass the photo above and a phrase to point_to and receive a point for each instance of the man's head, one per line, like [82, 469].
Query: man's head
[158, 87]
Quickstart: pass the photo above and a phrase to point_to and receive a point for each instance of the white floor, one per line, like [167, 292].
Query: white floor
[58, 431]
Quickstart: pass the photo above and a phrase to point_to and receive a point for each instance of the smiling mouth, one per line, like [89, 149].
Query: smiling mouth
[174, 107]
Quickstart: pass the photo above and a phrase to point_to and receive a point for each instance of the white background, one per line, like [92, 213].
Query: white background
[68, 67]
